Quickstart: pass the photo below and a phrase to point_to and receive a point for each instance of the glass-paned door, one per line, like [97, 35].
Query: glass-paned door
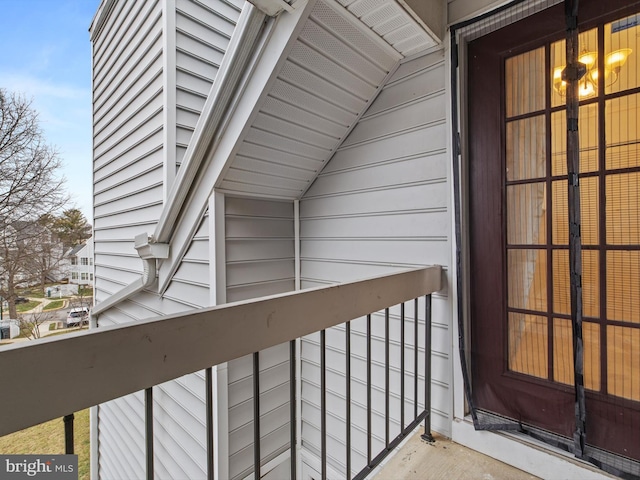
[522, 336]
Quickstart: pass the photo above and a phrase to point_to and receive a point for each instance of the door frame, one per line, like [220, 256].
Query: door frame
[484, 132]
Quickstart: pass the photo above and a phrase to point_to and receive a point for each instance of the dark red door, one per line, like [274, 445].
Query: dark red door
[522, 358]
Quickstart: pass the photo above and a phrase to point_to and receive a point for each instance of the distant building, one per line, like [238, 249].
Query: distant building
[81, 263]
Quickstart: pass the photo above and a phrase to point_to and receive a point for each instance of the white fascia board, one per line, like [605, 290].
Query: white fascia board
[245, 106]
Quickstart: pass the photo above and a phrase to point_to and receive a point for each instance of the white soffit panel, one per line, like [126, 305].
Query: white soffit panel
[391, 21]
[340, 60]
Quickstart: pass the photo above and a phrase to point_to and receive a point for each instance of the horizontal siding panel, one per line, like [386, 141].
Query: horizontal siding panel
[260, 227]
[198, 251]
[135, 216]
[123, 26]
[187, 118]
[260, 261]
[381, 204]
[147, 119]
[201, 31]
[226, 12]
[242, 413]
[121, 437]
[404, 90]
[259, 271]
[410, 144]
[343, 271]
[106, 120]
[410, 197]
[115, 248]
[193, 273]
[146, 167]
[420, 113]
[190, 100]
[144, 198]
[189, 81]
[199, 48]
[384, 175]
[124, 233]
[145, 147]
[151, 177]
[403, 225]
[255, 290]
[249, 250]
[191, 295]
[198, 66]
[145, 46]
[405, 252]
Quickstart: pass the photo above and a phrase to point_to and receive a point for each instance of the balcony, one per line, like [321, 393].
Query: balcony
[110, 362]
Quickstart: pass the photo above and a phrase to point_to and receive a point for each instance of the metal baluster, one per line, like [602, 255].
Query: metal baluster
[323, 404]
[292, 406]
[415, 358]
[148, 423]
[427, 369]
[386, 378]
[209, 419]
[402, 367]
[369, 433]
[348, 395]
[256, 415]
[68, 434]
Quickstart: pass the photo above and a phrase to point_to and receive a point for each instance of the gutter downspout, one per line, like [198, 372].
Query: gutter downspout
[234, 65]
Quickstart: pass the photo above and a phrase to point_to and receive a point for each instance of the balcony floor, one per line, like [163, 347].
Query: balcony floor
[445, 460]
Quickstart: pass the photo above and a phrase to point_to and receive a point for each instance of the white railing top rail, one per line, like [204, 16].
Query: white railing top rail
[53, 377]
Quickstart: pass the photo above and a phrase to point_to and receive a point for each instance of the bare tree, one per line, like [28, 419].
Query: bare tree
[30, 323]
[30, 188]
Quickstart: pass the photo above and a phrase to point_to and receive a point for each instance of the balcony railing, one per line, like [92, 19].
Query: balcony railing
[110, 362]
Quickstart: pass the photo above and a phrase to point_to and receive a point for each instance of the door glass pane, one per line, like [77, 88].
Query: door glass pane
[623, 286]
[526, 148]
[588, 45]
[589, 208]
[527, 279]
[528, 351]
[563, 370]
[621, 49]
[623, 209]
[526, 214]
[623, 362]
[622, 118]
[590, 283]
[588, 131]
[524, 83]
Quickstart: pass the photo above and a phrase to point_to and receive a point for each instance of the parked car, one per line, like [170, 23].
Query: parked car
[77, 316]
[20, 300]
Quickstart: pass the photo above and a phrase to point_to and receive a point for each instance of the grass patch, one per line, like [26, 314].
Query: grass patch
[48, 438]
[25, 307]
[53, 326]
[56, 304]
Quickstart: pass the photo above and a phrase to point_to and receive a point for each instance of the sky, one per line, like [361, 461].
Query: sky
[45, 54]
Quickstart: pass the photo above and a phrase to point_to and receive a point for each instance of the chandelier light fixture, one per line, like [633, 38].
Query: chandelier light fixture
[613, 62]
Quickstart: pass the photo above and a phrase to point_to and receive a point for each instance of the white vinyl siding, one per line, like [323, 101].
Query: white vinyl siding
[203, 31]
[260, 261]
[129, 91]
[380, 204]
